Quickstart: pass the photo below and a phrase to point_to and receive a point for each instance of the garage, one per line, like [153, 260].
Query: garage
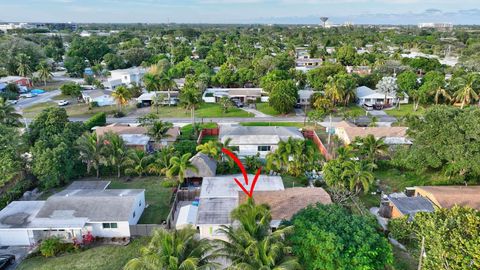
[14, 237]
[16, 222]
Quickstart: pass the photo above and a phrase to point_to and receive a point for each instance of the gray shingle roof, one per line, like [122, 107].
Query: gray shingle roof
[89, 185]
[96, 205]
[258, 135]
[412, 205]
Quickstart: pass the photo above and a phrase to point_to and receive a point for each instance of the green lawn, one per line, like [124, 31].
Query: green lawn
[404, 110]
[205, 110]
[102, 258]
[273, 124]
[292, 181]
[157, 197]
[75, 109]
[267, 109]
[341, 111]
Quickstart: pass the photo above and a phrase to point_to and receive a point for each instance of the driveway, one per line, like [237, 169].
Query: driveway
[255, 112]
[377, 113]
[19, 252]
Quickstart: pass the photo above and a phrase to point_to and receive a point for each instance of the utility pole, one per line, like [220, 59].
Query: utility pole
[422, 251]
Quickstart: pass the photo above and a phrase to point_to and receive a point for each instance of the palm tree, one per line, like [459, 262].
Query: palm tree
[167, 83]
[211, 149]
[90, 150]
[122, 96]
[358, 175]
[191, 97]
[23, 67]
[8, 115]
[161, 162]
[252, 245]
[373, 121]
[333, 90]
[44, 72]
[158, 100]
[179, 166]
[175, 250]
[152, 81]
[114, 151]
[468, 88]
[371, 148]
[158, 130]
[137, 162]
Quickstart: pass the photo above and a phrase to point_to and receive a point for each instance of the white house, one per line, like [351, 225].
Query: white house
[304, 97]
[213, 95]
[370, 97]
[257, 140]
[220, 195]
[126, 77]
[71, 214]
[101, 97]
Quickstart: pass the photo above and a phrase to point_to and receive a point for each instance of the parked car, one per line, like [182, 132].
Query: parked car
[28, 95]
[63, 103]
[237, 103]
[6, 260]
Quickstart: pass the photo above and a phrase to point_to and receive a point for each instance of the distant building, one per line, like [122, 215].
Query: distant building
[437, 26]
[18, 80]
[213, 95]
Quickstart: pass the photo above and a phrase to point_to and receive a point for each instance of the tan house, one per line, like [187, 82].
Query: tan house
[347, 132]
[136, 137]
[449, 196]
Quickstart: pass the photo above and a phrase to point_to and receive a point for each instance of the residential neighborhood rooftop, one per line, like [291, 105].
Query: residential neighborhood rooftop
[101, 185]
[257, 135]
[411, 205]
[449, 196]
[206, 166]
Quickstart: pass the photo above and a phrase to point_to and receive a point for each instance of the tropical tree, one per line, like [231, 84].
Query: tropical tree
[467, 88]
[90, 151]
[122, 96]
[158, 100]
[158, 130]
[44, 72]
[23, 65]
[358, 175]
[252, 245]
[179, 166]
[8, 115]
[191, 97]
[161, 161]
[226, 104]
[114, 151]
[167, 83]
[387, 86]
[152, 81]
[175, 250]
[370, 147]
[211, 148]
[407, 82]
[137, 162]
[333, 90]
[434, 85]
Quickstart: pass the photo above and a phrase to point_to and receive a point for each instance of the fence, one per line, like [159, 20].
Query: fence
[181, 195]
[207, 132]
[144, 229]
[311, 134]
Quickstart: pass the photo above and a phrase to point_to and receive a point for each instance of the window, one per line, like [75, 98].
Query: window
[264, 148]
[140, 203]
[134, 214]
[109, 225]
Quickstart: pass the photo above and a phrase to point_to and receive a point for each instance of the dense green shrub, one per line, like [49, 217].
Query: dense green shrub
[51, 247]
[97, 120]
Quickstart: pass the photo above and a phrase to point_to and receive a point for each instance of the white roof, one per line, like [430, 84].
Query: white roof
[187, 216]
[225, 187]
[251, 135]
[305, 93]
[127, 71]
[135, 139]
[363, 92]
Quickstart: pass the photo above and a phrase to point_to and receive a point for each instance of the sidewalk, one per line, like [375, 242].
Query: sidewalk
[256, 112]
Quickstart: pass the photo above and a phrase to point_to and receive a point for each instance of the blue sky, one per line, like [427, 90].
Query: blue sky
[242, 11]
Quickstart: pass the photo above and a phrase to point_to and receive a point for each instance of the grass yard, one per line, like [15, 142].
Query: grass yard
[267, 109]
[206, 110]
[292, 181]
[157, 197]
[101, 258]
[273, 124]
[35, 109]
[73, 110]
[404, 110]
[341, 111]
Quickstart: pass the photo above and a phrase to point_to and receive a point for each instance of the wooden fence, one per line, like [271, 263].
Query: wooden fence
[311, 134]
[144, 229]
[207, 132]
[180, 195]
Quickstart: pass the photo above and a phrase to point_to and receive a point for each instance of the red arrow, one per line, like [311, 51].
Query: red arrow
[244, 172]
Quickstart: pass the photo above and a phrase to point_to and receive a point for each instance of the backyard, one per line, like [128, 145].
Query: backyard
[73, 110]
[404, 110]
[205, 110]
[111, 257]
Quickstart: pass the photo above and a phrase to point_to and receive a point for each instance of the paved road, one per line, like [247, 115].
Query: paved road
[27, 102]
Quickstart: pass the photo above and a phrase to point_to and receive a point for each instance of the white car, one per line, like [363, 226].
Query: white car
[63, 103]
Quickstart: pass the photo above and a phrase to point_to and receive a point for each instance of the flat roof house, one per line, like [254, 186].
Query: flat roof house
[397, 205]
[252, 140]
[213, 95]
[126, 77]
[369, 97]
[101, 97]
[71, 214]
[347, 132]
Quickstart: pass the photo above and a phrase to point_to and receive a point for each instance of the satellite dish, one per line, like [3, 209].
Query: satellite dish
[324, 20]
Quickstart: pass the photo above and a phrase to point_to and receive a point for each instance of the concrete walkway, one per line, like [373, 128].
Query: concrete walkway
[256, 112]
[377, 113]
